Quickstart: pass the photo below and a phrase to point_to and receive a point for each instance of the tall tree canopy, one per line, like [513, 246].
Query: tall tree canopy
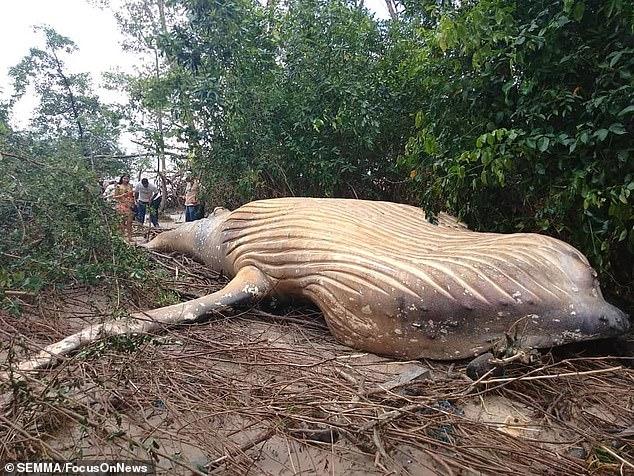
[68, 110]
[518, 116]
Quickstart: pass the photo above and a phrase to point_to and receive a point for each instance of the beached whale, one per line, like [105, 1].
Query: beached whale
[386, 279]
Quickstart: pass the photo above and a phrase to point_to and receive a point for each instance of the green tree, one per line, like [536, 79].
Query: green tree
[5, 129]
[54, 226]
[153, 119]
[68, 110]
[526, 123]
[297, 99]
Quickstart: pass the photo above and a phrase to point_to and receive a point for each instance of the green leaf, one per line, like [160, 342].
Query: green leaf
[483, 177]
[583, 137]
[420, 118]
[442, 42]
[540, 169]
[623, 196]
[601, 134]
[615, 58]
[542, 143]
[577, 11]
[507, 86]
[617, 128]
[627, 110]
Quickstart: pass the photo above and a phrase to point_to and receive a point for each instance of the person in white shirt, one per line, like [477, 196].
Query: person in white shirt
[144, 191]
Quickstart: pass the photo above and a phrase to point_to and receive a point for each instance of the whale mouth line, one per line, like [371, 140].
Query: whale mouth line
[541, 341]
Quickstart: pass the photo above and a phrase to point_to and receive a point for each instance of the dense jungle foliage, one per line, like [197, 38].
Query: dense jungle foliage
[55, 229]
[528, 123]
[517, 116]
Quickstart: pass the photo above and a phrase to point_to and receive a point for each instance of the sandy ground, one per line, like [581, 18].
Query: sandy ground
[251, 393]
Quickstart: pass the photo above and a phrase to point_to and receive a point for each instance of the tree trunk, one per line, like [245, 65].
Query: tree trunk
[161, 7]
[163, 183]
[74, 108]
[161, 145]
[391, 9]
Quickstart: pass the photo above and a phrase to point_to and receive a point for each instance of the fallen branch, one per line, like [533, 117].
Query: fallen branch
[247, 446]
[11, 292]
[612, 453]
[544, 377]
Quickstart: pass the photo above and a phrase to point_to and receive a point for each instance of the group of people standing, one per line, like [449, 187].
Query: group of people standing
[145, 198]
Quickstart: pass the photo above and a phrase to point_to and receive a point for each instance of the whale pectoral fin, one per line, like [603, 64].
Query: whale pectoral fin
[248, 286]
[245, 289]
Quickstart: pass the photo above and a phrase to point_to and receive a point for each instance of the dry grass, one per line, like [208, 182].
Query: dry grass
[275, 394]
